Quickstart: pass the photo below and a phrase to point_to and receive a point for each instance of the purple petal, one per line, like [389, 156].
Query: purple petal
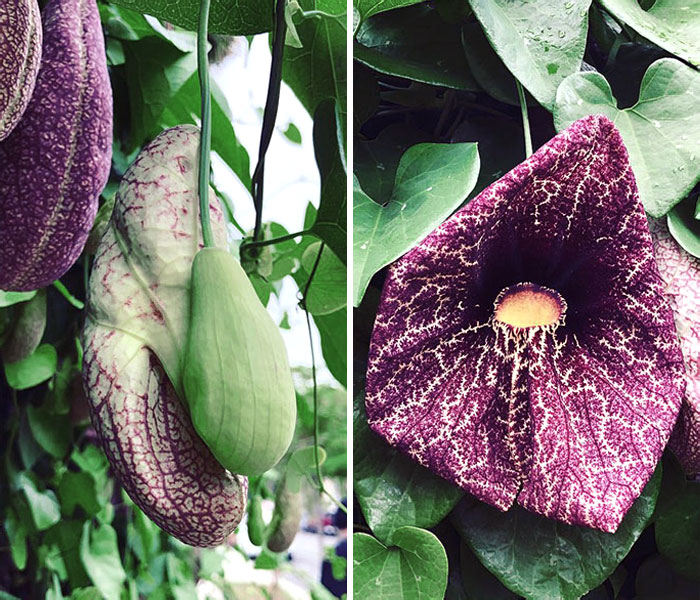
[681, 274]
[569, 418]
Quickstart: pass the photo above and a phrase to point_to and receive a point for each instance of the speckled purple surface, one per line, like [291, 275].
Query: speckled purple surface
[681, 274]
[136, 324]
[56, 161]
[568, 420]
[20, 56]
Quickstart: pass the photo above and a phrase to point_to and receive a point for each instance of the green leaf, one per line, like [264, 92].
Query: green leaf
[17, 532]
[414, 567]
[432, 180]
[328, 290]
[333, 329]
[293, 134]
[268, 560]
[43, 506]
[478, 582]
[677, 531]
[487, 68]
[660, 131]
[376, 160]
[184, 107]
[541, 42]
[66, 536]
[232, 17]
[684, 226]
[417, 44]
[331, 219]
[318, 70]
[100, 556]
[181, 578]
[393, 490]
[367, 8]
[52, 432]
[542, 558]
[659, 582]
[79, 489]
[155, 72]
[500, 143]
[88, 593]
[301, 464]
[33, 370]
[10, 298]
[673, 25]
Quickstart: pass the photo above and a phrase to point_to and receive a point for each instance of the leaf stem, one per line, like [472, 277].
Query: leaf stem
[277, 240]
[68, 296]
[526, 119]
[270, 113]
[205, 134]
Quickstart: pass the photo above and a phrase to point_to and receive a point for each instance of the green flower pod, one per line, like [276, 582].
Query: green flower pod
[27, 330]
[256, 524]
[286, 518]
[20, 56]
[236, 375]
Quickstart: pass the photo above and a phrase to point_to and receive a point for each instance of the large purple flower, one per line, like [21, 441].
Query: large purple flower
[524, 350]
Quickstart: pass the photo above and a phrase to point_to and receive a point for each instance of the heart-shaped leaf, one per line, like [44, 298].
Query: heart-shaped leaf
[432, 180]
[541, 42]
[414, 567]
[43, 505]
[393, 490]
[673, 25]
[328, 290]
[541, 558]
[415, 43]
[661, 131]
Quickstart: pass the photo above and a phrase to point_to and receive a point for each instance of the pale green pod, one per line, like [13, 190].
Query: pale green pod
[236, 375]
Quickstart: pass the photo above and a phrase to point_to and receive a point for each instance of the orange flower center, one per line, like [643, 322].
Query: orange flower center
[528, 305]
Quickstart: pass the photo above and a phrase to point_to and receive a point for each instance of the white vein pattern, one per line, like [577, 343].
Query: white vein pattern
[568, 419]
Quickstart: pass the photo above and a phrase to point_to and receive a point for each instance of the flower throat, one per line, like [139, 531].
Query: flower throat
[528, 305]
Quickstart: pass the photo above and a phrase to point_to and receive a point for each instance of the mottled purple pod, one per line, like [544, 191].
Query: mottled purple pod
[681, 274]
[524, 350]
[56, 161]
[20, 55]
[135, 329]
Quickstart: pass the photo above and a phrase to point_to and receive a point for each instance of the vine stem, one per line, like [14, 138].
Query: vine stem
[205, 133]
[270, 113]
[319, 475]
[68, 296]
[526, 119]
